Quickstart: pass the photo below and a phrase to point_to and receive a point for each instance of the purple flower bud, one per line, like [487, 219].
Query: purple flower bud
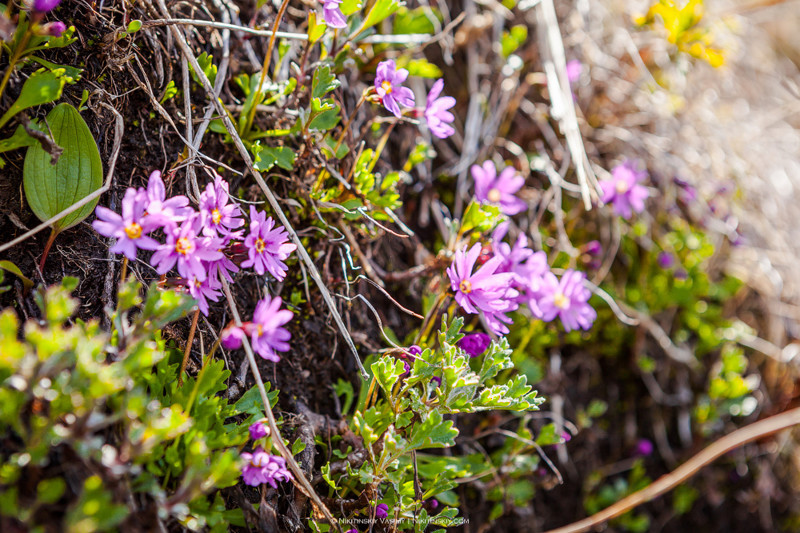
[259, 430]
[381, 510]
[475, 343]
[414, 350]
[665, 260]
[565, 436]
[593, 248]
[54, 29]
[43, 6]
[644, 447]
[433, 503]
[437, 380]
[231, 338]
[574, 69]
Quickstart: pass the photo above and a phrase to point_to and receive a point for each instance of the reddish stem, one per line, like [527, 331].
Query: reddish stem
[53, 235]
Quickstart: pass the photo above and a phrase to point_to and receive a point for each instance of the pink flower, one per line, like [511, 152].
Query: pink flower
[333, 14]
[159, 209]
[267, 245]
[436, 111]
[129, 229]
[574, 69]
[43, 6]
[485, 291]
[266, 331]
[623, 190]
[567, 299]
[205, 290]
[188, 250]
[498, 190]
[219, 217]
[261, 467]
[388, 85]
[381, 510]
[268, 334]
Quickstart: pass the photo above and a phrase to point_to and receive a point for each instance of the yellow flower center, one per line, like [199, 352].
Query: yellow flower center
[387, 86]
[260, 330]
[560, 301]
[494, 196]
[465, 286]
[621, 187]
[183, 246]
[133, 230]
[260, 245]
[216, 216]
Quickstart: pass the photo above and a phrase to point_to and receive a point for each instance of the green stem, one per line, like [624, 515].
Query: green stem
[265, 67]
[349, 121]
[12, 62]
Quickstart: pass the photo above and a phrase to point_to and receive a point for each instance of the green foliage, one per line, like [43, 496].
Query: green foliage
[608, 494]
[51, 188]
[113, 401]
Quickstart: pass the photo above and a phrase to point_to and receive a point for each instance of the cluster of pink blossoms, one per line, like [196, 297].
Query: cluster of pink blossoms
[390, 92]
[204, 246]
[261, 467]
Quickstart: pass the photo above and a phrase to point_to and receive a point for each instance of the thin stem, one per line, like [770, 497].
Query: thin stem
[718, 448]
[349, 121]
[188, 348]
[265, 67]
[12, 62]
[381, 146]
[427, 324]
[53, 235]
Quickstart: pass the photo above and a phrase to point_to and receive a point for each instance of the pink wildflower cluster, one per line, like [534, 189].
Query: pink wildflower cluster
[390, 92]
[516, 275]
[201, 245]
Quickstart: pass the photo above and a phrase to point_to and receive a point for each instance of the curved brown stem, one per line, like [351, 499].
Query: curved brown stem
[188, 348]
[53, 234]
[665, 483]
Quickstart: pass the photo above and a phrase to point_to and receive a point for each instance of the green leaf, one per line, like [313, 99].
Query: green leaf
[513, 39]
[52, 188]
[380, 11]
[20, 139]
[298, 446]
[267, 157]
[481, 218]
[348, 7]
[423, 69]
[134, 26]
[43, 87]
[11, 267]
[432, 433]
[251, 403]
[70, 74]
[417, 20]
[323, 82]
[316, 27]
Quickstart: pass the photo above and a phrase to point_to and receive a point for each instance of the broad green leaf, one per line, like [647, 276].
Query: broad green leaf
[417, 20]
[43, 87]
[11, 267]
[423, 68]
[52, 188]
[251, 403]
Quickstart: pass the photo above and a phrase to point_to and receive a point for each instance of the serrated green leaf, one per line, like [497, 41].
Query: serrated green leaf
[266, 157]
[323, 82]
[50, 188]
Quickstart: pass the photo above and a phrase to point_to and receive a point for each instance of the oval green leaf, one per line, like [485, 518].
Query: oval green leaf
[79, 172]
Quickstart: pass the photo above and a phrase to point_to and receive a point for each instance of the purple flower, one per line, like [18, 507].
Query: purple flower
[593, 248]
[267, 245]
[266, 332]
[54, 29]
[485, 291]
[130, 229]
[574, 69]
[567, 299]
[433, 503]
[189, 250]
[475, 343]
[623, 189]
[259, 430]
[437, 380]
[219, 217]
[381, 510]
[43, 6]
[498, 190]
[205, 290]
[436, 111]
[222, 267]
[643, 448]
[333, 14]
[261, 467]
[388, 85]
[159, 209]
[527, 266]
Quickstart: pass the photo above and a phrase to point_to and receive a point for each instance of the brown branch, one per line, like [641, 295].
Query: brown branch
[665, 483]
